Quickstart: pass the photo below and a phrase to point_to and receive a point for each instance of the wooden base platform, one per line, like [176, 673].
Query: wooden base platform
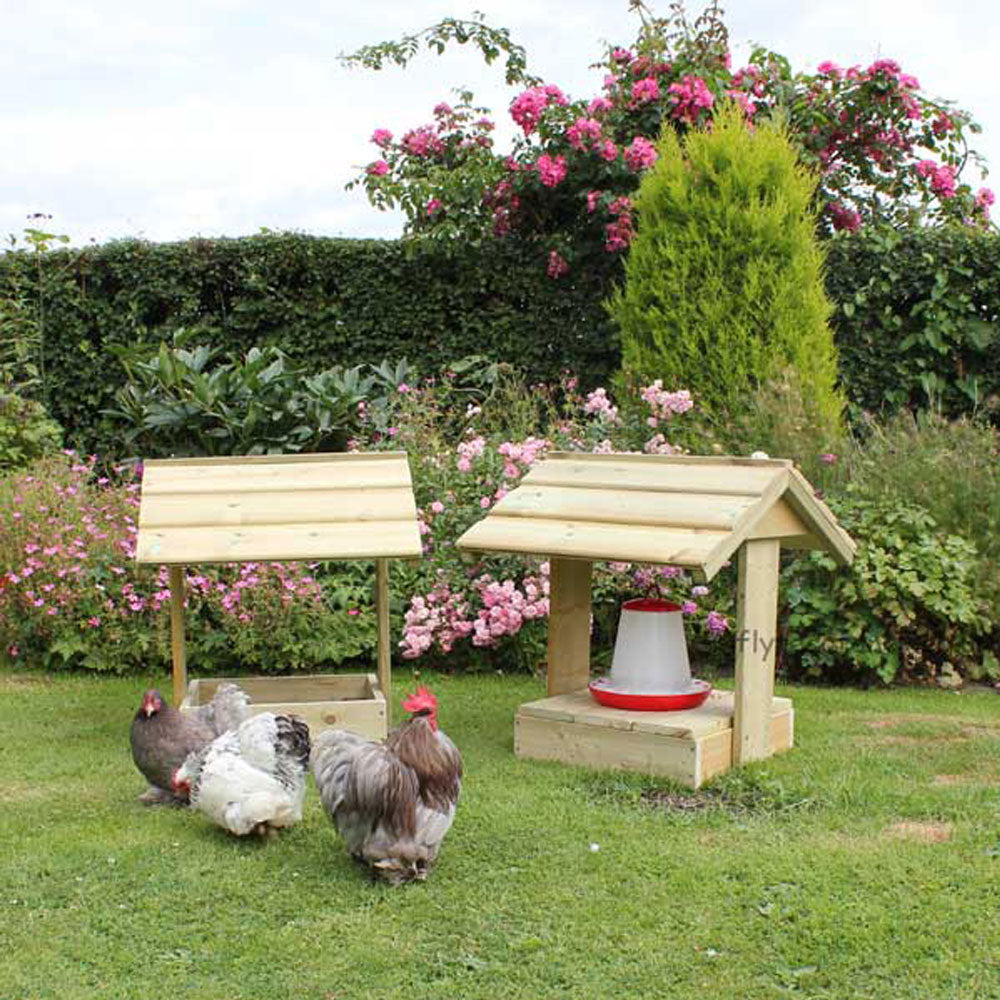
[690, 746]
[324, 701]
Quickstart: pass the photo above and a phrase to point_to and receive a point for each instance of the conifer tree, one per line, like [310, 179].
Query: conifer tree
[723, 283]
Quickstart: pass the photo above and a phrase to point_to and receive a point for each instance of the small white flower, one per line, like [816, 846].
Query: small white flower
[594, 848]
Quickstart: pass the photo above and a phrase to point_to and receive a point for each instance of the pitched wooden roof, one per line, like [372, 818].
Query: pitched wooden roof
[322, 506]
[689, 511]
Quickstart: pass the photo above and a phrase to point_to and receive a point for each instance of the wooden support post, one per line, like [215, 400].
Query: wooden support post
[569, 625]
[382, 618]
[177, 633]
[756, 638]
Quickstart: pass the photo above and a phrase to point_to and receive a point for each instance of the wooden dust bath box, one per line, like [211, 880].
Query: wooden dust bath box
[283, 508]
[341, 701]
[694, 512]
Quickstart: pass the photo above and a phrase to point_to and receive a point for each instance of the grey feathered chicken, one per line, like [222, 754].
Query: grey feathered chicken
[163, 736]
[250, 779]
[392, 802]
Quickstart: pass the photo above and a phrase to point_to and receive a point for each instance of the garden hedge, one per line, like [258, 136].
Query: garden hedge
[916, 313]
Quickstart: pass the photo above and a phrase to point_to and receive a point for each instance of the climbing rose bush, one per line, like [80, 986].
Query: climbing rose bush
[884, 150]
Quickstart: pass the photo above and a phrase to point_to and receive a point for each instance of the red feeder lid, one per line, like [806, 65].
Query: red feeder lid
[649, 604]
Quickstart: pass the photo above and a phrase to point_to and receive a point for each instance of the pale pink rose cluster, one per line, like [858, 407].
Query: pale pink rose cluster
[518, 458]
[469, 451]
[506, 607]
[442, 617]
[640, 154]
[599, 405]
[663, 403]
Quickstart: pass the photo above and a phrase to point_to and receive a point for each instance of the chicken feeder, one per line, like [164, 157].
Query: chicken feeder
[650, 671]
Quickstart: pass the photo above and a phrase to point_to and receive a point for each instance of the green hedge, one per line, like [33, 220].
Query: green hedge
[916, 315]
[323, 301]
[917, 319]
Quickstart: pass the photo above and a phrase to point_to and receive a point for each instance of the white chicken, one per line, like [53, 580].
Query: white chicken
[392, 802]
[251, 779]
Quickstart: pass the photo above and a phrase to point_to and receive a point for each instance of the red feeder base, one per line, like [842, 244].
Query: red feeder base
[675, 702]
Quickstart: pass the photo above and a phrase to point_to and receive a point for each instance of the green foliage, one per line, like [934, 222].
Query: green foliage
[26, 431]
[917, 318]
[905, 610]
[951, 469]
[186, 401]
[723, 285]
[322, 301]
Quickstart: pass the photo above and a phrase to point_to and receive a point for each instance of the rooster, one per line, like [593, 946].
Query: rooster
[251, 779]
[162, 736]
[394, 801]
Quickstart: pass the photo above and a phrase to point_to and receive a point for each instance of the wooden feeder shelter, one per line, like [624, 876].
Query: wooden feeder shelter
[283, 508]
[693, 512]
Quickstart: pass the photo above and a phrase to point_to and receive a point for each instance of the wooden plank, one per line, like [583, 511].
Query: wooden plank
[726, 549]
[306, 688]
[820, 519]
[778, 521]
[720, 461]
[603, 747]
[312, 457]
[624, 472]
[648, 507]
[756, 638]
[716, 750]
[585, 540]
[382, 617]
[273, 477]
[341, 540]
[177, 650]
[569, 625]
[277, 507]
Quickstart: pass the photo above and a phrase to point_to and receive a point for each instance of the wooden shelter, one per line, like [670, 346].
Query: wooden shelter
[277, 507]
[694, 512]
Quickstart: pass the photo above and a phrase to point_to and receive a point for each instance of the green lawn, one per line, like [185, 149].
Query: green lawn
[864, 863]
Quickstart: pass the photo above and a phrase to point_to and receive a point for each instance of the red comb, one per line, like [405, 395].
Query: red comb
[422, 701]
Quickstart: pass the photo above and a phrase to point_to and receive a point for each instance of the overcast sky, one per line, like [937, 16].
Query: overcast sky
[219, 117]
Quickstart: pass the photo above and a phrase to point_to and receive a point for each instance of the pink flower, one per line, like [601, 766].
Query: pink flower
[381, 137]
[434, 205]
[557, 265]
[437, 507]
[526, 109]
[716, 623]
[828, 458]
[984, 198]
[593, 200]
[830, 69]
[609, 151]
[484, 502]
[94, 622]
[377, 169]
[690, 96]
[582, 130]
[641, 154]
[599, 105]
[422, 141]
[644, 91]
[844, 218]
[551, 171]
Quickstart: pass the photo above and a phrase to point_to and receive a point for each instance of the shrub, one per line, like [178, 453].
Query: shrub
[951, 469]
[26, 431]
[905, 610]
[723, 285]
[187, 402]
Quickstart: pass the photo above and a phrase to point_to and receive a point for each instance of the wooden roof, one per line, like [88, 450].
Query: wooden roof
[689, 511]
[322, 506]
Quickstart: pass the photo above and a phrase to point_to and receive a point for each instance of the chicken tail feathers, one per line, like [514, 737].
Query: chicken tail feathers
[293, 739]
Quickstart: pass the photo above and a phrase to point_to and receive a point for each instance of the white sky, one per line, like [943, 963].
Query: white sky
[218, 117]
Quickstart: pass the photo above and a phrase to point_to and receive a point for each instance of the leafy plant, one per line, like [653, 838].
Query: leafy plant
[186, 401]
[27, 432]
[723, 285]
[906, 609]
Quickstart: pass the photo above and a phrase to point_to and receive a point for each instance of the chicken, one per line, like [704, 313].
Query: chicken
[250, 779]
[162, 736]
[392, 802]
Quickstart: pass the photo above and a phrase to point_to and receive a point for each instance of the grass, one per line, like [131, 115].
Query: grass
[862, 864]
